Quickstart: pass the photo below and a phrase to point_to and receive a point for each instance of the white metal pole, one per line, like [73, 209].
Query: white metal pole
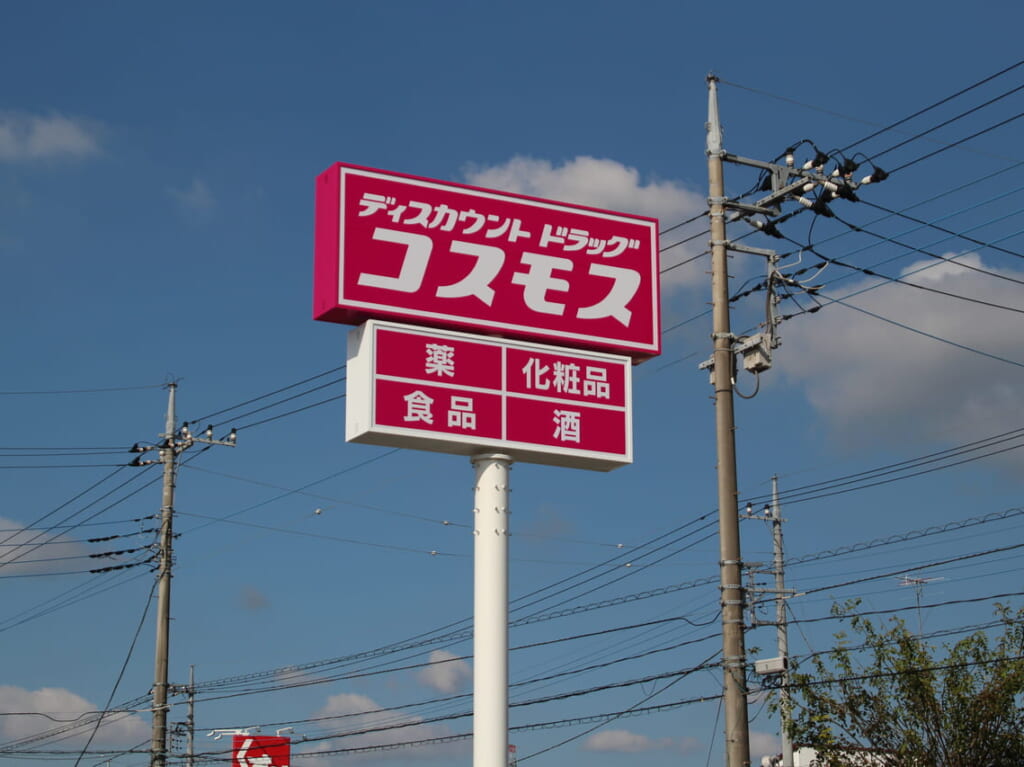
[490, 610]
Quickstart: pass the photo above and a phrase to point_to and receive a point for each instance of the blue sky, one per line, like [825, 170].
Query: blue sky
[156, 217]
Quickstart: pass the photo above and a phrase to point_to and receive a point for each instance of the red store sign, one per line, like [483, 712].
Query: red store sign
[260, 751]
[400, 247]
[458, 393]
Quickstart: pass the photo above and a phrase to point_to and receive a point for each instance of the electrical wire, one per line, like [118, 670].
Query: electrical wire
[932, 225]
[120, 674]
[291, 412]
[11, 558]
[208, 416]
[815, 490]
[80, 391]
[401, 646]
[946, 259]
[926, 288]
[935, 105]
[944, 123]
[334, 501]
[928, 531]
[956, 143]
[68, 502]
[926, 334]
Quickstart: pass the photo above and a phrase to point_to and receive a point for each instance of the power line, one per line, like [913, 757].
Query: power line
[324, 536]
[900, 281]
[11, 559]
[120, 674]
[333, 501]
[855, 548]
[816, 490]
[283, 400]
[72, 596]
[70, 500]
[907, 608]
[904, 326]
[208, 416]
[957, 143]
[903, 571]
[426, 639]
[291, 412]
[521, 621]
[953, 119]
[676, 675]
[974, 205]
[932, 225]
[80, 391]
[907, 536]
[938, 103]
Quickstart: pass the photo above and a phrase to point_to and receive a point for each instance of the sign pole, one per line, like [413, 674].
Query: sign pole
[490, 609]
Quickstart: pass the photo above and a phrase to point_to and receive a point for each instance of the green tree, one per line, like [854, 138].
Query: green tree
[894, 700]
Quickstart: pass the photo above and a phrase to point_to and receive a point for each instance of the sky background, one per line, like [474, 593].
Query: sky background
[157, 172]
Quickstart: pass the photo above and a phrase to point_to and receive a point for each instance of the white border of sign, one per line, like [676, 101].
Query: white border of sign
[360, 419]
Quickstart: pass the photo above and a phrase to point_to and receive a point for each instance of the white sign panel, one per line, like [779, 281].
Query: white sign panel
[459, 393]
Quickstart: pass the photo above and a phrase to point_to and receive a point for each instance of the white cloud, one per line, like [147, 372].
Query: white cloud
[602, 183]
[871, 379]
[194, 199]
[447, 673]
[357, 713]
[763, 744]
[26, 137]
[626, 742]
[21, 553]
[116, 729]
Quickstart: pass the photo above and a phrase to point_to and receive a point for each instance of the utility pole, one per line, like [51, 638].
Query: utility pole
[775, 671]
[190, 721]
[172, 443]
[734, 661]
[783, 183]
[168, 456]
[781, 631]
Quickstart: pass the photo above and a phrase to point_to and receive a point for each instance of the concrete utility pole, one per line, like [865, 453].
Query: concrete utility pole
[781, 633]
[168, 456]
[172, 443]
[786, 183]
[775, 669]
[190, 721]
[734, 661]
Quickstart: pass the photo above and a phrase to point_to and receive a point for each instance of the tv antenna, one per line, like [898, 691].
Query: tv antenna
[918, 585]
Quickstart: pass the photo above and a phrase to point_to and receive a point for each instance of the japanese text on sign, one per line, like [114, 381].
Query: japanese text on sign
[453, 392]
[395, 246]
[511, 229]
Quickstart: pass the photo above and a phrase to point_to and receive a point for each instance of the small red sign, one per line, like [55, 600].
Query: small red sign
[452, 392]
[260, 751]
[400, 247]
